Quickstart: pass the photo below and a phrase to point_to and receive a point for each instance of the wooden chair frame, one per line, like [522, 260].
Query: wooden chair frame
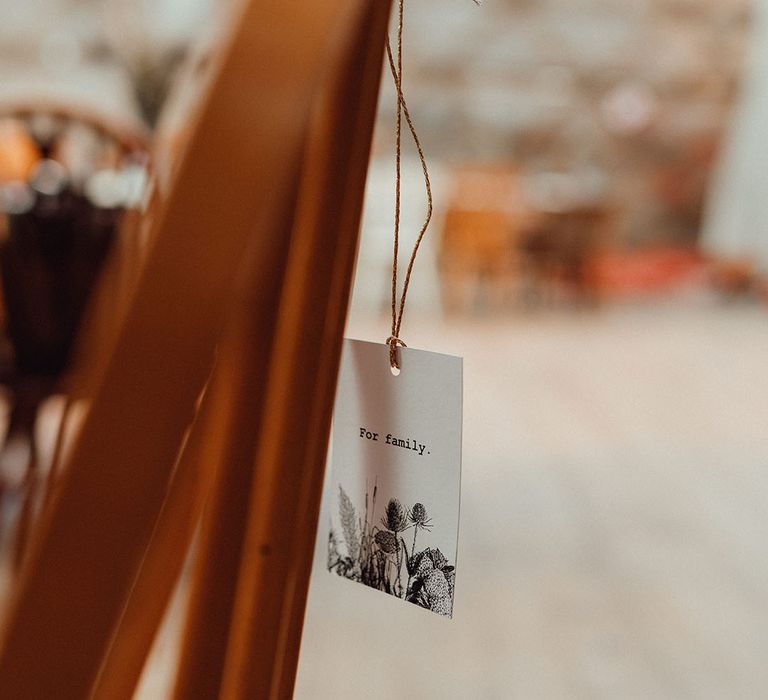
[244, 290]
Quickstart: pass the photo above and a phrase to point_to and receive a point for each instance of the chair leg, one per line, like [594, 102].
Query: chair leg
[31, 491]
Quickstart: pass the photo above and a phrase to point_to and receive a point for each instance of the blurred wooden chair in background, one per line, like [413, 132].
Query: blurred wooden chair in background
[560, 253]
[66, 178]
[500, 247]
[210, 397]
[478, 257]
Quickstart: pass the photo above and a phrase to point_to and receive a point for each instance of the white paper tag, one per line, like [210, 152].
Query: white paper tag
[396, 473]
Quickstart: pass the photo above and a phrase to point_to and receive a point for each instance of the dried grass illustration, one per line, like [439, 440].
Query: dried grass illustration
[376, 555]
[348, 523]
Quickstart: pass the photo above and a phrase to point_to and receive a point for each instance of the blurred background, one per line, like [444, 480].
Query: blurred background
[599, 257]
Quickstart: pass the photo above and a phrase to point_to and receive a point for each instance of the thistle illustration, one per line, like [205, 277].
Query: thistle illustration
[418, 517]
[420, 521]
[375, 554]
[394, 518]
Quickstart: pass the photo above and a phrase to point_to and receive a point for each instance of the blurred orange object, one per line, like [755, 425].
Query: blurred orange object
[477, 245]
[735, 277]
[18, 152]
[648, 270]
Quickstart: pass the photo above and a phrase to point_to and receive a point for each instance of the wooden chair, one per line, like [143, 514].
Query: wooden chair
[211, 401]
[479, 255]
[52, 250]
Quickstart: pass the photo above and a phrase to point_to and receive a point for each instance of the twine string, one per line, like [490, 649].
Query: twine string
[396, 68]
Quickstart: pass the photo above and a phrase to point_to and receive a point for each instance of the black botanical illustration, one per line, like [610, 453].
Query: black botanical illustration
[375, 552]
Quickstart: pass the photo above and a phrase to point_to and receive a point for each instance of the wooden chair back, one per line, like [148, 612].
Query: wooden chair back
[213, 404]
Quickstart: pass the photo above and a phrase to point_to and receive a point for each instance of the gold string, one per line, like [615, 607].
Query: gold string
[402, 110]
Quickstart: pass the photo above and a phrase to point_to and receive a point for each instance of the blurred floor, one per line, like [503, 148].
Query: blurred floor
[613, 540]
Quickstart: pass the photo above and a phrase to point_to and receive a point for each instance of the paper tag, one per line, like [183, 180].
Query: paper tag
[396, 473]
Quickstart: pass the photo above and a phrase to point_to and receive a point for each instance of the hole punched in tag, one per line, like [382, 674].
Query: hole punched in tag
[396, 68]
[394, 359]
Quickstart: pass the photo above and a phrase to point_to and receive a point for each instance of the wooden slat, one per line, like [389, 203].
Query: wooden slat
[226, 421]
[168, 549]
[229, 195]
[285, 497]
[220, 541]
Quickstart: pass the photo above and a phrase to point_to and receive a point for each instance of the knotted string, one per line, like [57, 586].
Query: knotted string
[396, 69]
